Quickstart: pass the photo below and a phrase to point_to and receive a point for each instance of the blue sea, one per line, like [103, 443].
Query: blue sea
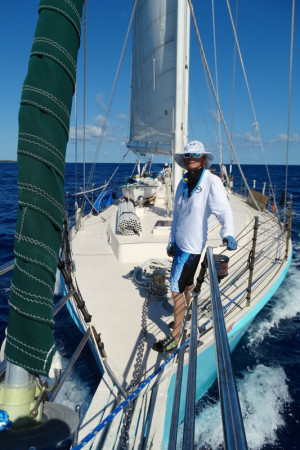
[267, 360]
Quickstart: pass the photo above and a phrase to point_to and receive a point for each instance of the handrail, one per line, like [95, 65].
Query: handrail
[190, 400]
[233, 427]
[176, 402]
[7, 267]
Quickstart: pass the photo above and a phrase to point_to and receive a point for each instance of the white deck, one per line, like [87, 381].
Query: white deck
[104, 260]
[112, 299]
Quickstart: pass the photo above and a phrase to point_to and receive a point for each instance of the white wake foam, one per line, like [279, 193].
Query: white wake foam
[263, 394]
[263, 391]
[286, 306]
[74, 392]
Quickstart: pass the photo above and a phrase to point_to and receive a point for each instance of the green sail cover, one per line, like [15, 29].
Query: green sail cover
[44, 119]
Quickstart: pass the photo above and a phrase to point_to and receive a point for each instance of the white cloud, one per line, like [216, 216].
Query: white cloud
[99, 119]
[99, 99]
[282, 138]
[245, 140]
[122, 117]
[215, 115]
[249, 139]
[92, 132]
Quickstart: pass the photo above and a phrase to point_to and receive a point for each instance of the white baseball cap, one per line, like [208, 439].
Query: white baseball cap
[194, 147]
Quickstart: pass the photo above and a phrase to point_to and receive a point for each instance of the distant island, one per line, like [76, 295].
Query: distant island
[7, 161]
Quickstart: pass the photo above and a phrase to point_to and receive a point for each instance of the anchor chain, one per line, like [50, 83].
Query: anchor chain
[135, 377]
[154, 292]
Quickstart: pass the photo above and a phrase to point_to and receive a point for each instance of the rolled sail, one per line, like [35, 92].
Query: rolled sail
[152, 106]
[44, 120]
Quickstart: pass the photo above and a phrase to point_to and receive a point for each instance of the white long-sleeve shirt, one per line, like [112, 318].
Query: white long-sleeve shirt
[190, 215]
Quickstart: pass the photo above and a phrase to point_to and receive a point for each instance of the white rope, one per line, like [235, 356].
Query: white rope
[218, 104]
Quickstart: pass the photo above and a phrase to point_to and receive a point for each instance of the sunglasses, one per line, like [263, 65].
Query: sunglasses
[188, 155]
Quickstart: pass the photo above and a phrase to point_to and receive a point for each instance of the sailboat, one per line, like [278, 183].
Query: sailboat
[117, 283]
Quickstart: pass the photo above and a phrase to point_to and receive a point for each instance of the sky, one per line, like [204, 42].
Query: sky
[264, 34]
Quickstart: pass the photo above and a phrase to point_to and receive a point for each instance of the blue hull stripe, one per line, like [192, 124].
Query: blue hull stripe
[206, 361]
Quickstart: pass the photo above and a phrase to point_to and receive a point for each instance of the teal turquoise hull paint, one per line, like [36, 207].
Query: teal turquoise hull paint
[77, 322]
[207, 359]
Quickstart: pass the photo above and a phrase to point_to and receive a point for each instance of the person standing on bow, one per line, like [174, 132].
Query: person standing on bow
[199, 194]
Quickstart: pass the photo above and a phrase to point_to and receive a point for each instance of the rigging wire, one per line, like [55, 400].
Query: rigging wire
[217, 83]
[201, 110]
[289, 109]
[76, 137]
[218, 104]
[111, 97]
[210, 99]
[250, 98]
[233, 77]
[84, 89]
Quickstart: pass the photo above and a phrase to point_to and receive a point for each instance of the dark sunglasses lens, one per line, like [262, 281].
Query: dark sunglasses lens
[188, 155]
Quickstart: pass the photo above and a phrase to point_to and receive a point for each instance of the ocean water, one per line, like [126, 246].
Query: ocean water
[267, 360]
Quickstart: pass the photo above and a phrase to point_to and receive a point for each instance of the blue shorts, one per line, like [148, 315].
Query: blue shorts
[183, 270]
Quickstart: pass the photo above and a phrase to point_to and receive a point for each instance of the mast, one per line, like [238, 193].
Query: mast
[182, 84]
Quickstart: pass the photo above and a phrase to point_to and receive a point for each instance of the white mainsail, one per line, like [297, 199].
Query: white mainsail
[153, 76]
